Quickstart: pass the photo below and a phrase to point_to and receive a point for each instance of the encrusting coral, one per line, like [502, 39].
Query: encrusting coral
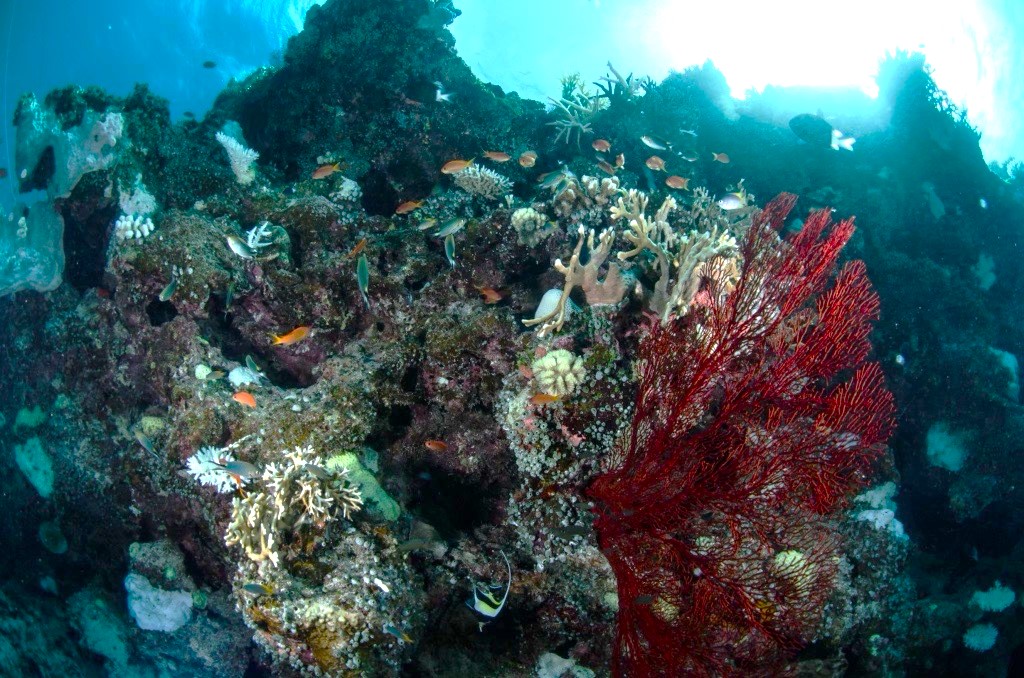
[483, 182]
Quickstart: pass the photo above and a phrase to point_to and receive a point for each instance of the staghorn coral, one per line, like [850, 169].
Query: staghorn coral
[558, 372]
[240, 157]
[297, 497]
[681, 258]
[483, 182]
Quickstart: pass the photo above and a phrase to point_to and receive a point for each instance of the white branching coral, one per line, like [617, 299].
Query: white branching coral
[558, 372]
[132, 226]
[294, 500]
[259, 237]
[483, 182]
[240, 157]
[682, 259]
[531, 226]
[207, 467]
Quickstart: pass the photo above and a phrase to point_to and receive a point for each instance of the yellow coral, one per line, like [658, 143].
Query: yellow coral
[558, 372]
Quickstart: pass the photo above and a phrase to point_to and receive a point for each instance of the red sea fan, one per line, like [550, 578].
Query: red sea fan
[756, 416]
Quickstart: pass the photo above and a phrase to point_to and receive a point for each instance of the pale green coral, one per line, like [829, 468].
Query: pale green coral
[373, 494]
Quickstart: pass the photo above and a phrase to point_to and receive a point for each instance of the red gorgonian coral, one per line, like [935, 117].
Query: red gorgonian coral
[756, 416]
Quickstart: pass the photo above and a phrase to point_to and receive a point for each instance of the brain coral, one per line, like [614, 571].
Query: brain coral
[558, 372]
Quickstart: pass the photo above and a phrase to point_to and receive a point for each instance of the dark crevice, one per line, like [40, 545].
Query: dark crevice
[160, 312]
[219, 330]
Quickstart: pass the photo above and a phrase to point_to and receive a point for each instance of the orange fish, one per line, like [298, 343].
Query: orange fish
[526, 371]
[293, 337]
[601, 145]
[528, 159]
[360, 246]
[544, 399]
[244, 398]
[655, 163]
[606, 167]
[435, 445]
[408, 206]
[490, 295]
[720, 157]
[497, 156]
[676, 181]
[324, 171]
[455, 166]
[620, 160]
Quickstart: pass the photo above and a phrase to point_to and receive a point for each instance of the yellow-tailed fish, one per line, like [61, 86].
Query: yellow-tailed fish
[449, 249]
[397, 633]
[363, 278]
[451, 228]
[497, 156]
[258, 589]
[239, 247]
[240, 468]
[169, 291]
[485, 602]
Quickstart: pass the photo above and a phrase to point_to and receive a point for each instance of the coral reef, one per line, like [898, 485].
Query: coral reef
[292, 428]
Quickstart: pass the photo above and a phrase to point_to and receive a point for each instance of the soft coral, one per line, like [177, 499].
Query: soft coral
[748, 430]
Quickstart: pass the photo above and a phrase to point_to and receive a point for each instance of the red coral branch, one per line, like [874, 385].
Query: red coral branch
[748, 430]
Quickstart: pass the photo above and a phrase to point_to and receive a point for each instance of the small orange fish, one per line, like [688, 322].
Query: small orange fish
[544, 399]
[324, 171]
[528, 159]
[293, 337]
[606, 167]
[676, 181]
[526, 372]
[408, 206]
[497, 156]
[490, 295]
[655, 163]
[455, 166]
[360, 246]
[720, 157]
[435, 445]
[244, 398]
[601, 145]
[620, 160]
